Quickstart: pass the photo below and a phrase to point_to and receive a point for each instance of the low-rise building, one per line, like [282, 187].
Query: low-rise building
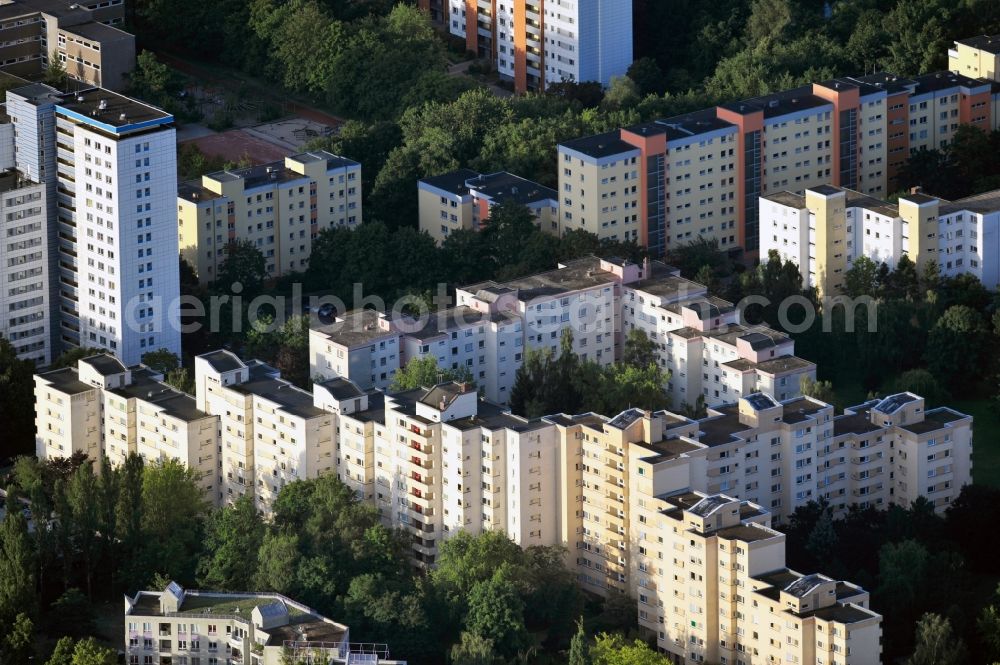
[279, 207]
[187, 626]
[462, 199]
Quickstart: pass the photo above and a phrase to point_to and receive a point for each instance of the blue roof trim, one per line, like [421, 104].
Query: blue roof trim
[124, 129]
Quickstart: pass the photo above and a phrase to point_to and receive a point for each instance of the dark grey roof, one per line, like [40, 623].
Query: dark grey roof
[779, 103]
[626, 418]
[503, 186]
[453, 181]
[988, 43]
[222, 360]
[341, 388]
[106, 365]
[893, 403]
[600, 145]
[291, 399]
[682, 126]
[761, 401]
[826, 190]
[806, 584]
[442, 395]
[174, 402]
[937, 81]
[332, 161]
[109, 107]
[66, 381]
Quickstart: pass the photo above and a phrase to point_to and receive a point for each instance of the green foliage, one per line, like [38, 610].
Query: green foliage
[821, 390]
[968, 165]
[162, 361]
[62, 654]
[496, 612]
[425, 373]
[614, 649]
[72, 356]
[547, 384]
[285, 346]
[55, 72]
[17, 571]
[244, 264]
[473, 649]
[71, 615]
[957, 346]
[16, 401]
[173, 511]
[233, 538]
[89, 652]
[18, 645]
[936, 643]
[579, 647]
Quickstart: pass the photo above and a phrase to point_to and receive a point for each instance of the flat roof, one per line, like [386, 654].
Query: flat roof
[575, 276]
[988, 43]
[341, 388]
[943, 80]
[720, 430]
[600, 145]
[97, 31]
[223, 360]
[192, 190]
[843, 613]
[332, 161]
[784, 364]
[173, 402]
[12, 179]
[289, 397]
[779, 103]
[111, 112]
[682, 126]
[453, 181]
[670, 448]
[262, 174]
[980, 204]
[853, 424]
[356, 328]
[788, 199]
[747, 533]
[105, 364]
[66, 381]
[503, 186]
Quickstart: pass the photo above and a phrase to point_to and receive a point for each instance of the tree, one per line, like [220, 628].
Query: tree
[233, 538]
[648, 76]
[181, 379]
[162, 361]
[63, 652]
[16, 401]
[616, 650]
[820, 390]
[639, 351]
[18, 645]
[173, 507]
[72, 356]
[84, 520]
[278, 560]
[936, 643]
[916, 31]
[579, 649]
[17, 570]
[955, 347]
[129, 520]
[425, 373]
[902, 573]
[861, 279]
[71, 615]
[244, 264]
[55, 72]
[988, 624]
[921, 382]
[623, 93]
[473, 649]
[496, 612]
[150, 78]
[89, 652]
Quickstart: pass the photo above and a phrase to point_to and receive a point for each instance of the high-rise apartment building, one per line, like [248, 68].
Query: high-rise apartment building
[108, 167]
[669, 182]
[827, 228]
[106, 410]
[279, 207]
[713, 357]
[461, 200]
[25, 299]
[188, 626]
[676, 512]
[714, 588]
[536, 43]
[81, 35]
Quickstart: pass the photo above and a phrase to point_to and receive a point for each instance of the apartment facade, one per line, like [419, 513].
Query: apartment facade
[712, 356]
[725, 595]
[187, 626]
[825, 230]
[82, 35]
[461, 200]
[25, 299]
[535, 44]
[108, 411]
[701, 174]
[108, 166]
[976, 57]
[280, 208]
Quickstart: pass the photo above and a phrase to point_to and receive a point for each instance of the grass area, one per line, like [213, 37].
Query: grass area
[202, 604]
